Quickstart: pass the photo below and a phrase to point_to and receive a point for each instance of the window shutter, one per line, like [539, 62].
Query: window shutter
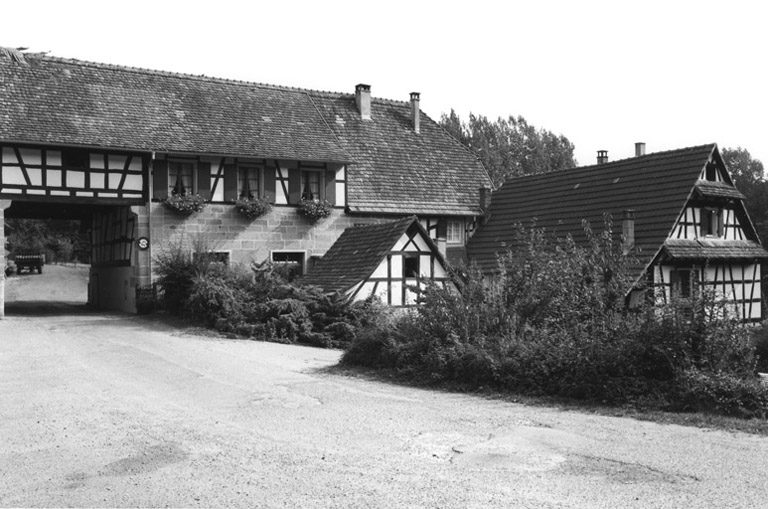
[269, 184]
[230, 182]
[330, 186]
[160, 180]
[721, 223]
[294, 186]
[204, 180]
[442, 228]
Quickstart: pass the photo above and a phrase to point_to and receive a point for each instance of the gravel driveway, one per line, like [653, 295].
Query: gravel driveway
[115, 410]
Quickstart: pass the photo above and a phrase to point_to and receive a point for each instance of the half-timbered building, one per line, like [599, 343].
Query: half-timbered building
[107, 144]
[389, 261]
[680, 213]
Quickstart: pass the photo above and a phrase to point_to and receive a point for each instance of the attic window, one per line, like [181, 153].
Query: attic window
[711, 222]
[411, 266]
[711, 172]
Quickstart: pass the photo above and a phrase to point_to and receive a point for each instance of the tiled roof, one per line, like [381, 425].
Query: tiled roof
[53, 100]
[397, 170]
[356, 254]
[656, 186]
[394, 170]
[718, 190]
[682, 249]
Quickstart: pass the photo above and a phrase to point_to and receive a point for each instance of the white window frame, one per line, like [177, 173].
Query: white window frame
[454, 231]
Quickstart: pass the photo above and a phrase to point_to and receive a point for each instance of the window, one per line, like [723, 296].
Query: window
[711, 223]
[685, 282]
[411, 267]
[248, 182]
[310, 185]
[221, 257]
[180, 177]
[291, 262]
[455, 232]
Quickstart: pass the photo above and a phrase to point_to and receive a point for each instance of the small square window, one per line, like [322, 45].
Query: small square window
[248, 182]
[685, 282]
[180, 181]
[221, 257]
[411, 267]
[291, 262]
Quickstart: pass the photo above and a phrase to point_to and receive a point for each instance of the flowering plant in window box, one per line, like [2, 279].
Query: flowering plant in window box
[315, 210]
[252, 207]
[185, 203]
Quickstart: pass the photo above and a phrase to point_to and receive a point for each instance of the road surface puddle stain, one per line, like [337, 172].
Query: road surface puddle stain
[622, 472]
[145, 461]
[148, 460]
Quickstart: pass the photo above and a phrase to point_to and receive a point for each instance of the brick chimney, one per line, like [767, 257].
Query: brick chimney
[363, 100]
[639, 149]
[602, 156]
[415, 112]
[485, 203]
[628, 230]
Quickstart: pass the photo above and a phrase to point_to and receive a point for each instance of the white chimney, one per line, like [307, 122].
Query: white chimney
[602, 156]
[363, 100]
[639, 149]
[415, 112]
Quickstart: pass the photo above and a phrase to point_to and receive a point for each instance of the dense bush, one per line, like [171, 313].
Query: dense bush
[258, 302]
[553, 322]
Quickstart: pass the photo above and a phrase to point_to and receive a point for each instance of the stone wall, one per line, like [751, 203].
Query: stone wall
[219, 227]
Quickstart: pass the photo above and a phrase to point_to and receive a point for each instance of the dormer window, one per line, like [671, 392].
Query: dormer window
[711, 222]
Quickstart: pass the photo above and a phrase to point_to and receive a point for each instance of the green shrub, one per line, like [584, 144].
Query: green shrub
[177, 267]
[720, 392]
[259, 302]
[760, 342]
[552, 322]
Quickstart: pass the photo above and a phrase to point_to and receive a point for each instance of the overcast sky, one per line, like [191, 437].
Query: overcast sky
[605, 74]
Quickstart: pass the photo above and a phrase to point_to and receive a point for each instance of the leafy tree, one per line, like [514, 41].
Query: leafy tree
[510, 147]
[62, 240]
[749, 177]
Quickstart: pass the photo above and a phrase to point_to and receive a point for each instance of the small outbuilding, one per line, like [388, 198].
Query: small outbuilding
[389, 261]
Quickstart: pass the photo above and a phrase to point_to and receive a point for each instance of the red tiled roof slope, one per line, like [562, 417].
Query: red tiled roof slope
[397, 170]
[655, 186]
[53, 100]
[356, 254]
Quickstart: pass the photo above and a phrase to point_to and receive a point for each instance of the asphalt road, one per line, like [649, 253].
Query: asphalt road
[123, 411]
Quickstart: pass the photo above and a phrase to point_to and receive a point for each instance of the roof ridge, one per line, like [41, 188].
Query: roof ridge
[614, 164]
[171, 74]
